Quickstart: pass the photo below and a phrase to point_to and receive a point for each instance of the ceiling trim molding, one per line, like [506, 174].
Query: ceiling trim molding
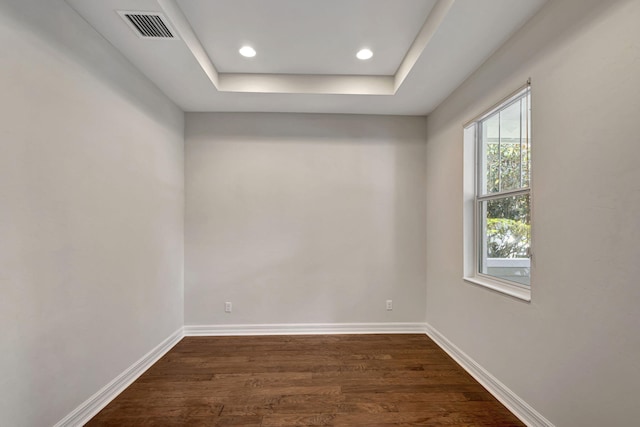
[183, 27]
[306, 83]
[426, 33]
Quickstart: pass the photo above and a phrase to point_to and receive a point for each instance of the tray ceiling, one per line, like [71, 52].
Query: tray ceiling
[305, 50]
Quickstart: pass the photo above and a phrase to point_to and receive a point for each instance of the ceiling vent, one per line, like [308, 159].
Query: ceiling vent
[149, 25]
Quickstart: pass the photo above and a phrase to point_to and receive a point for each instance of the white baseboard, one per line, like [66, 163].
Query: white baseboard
[508, 398]
[305, 329]
[87, 410]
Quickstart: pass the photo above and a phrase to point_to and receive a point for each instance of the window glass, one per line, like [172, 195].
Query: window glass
[502, 196]
[505, 236]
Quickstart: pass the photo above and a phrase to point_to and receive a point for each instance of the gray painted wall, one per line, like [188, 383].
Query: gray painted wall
[300, 218]
[91, 213]
[572, 353]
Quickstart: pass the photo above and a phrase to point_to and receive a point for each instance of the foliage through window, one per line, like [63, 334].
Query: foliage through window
[502, 201]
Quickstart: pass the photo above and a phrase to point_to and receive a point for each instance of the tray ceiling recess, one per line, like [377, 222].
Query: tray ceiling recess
[306, 83]
[421, 49]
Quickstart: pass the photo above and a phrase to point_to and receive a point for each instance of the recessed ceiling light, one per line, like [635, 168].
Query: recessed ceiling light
[247, 51]
[364, 54]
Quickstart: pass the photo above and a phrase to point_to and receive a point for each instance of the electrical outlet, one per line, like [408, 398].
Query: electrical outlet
[389, 305]
[227, 307]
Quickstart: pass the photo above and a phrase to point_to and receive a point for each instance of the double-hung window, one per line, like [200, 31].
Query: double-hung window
[497, 197]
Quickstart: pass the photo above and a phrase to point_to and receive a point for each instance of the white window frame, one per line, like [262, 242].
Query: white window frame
[472, 201]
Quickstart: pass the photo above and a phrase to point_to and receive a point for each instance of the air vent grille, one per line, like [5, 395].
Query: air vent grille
[149, 25]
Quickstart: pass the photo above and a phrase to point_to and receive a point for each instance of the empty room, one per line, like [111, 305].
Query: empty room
[319, 212]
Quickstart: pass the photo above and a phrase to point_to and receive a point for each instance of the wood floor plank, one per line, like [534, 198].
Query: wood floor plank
[338, 380]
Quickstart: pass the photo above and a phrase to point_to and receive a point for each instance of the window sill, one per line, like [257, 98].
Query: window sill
[505, 288]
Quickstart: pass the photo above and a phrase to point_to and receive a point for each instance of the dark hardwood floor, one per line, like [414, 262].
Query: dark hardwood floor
[340, 380]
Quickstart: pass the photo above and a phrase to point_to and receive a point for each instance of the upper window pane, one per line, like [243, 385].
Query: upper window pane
[504, 161]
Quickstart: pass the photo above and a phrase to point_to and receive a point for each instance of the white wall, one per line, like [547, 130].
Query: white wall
[300, 218]
[91, 213]
[572, 353]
